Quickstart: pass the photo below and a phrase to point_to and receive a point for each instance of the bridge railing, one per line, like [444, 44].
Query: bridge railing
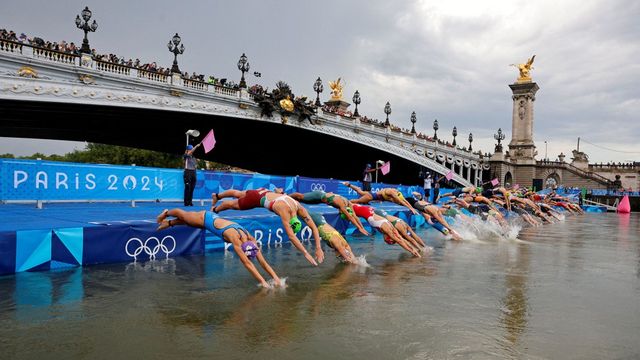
[581, 172]
[153, 76]
[113, 68]
[38, 52]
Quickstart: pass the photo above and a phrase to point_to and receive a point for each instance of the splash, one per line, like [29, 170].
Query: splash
[361, 261]
[273, 286]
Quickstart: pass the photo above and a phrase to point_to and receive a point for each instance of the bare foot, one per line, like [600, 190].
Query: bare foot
[163, 225]
[163, 215]
[214, 200]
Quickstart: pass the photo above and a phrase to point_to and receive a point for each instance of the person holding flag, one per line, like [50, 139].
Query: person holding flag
[189, 174]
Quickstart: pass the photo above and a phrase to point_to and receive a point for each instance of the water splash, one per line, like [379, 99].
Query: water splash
[273, 286]
[361, 261]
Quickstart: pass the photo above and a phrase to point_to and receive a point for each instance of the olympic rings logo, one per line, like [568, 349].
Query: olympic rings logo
[318, 187]
[151, 246]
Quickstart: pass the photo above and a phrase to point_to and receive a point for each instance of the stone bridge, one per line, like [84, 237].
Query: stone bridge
[52, 95]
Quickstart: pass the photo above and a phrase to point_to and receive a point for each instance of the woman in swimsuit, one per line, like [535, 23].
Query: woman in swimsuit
[333, 238]
[386, 194]
[403, 229]
[391, 235]
[334, 200]
[290, 211]
[243, 243]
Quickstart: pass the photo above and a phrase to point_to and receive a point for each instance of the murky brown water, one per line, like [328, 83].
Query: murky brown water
[564, 291]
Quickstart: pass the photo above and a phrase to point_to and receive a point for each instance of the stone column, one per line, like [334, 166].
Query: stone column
[522, 147]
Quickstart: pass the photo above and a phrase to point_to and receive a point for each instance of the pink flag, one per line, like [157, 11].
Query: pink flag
[386, 168]
[449, 175]
[209, 141]
[495, 182]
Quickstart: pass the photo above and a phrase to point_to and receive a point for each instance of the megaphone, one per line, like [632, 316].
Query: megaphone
[194, 133]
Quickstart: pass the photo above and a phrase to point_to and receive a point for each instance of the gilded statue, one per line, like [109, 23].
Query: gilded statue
[336, 89]
[525, 69]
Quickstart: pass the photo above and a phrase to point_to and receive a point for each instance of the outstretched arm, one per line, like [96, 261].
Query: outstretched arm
[294, 240]
[248, 264]
[353, 219]
[265, 265]
[314, 229]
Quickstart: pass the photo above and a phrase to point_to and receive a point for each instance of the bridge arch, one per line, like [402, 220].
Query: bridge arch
[74, 100]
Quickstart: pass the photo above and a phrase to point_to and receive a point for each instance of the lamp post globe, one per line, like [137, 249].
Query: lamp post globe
[176, 48]
[413, 122]
[356, 100]
[387, 110]
[318, 88]
[435, 129]
[499, 136]
[243, 66]
[86, 27]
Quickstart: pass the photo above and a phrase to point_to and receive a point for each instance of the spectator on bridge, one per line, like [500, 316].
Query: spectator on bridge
[230, 232]
[189, 175]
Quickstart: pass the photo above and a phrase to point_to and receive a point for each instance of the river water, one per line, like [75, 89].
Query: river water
[569, 290]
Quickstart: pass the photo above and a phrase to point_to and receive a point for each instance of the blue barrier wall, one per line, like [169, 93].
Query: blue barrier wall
[31, 180]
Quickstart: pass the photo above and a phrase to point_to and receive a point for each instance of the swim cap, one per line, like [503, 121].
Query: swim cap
[189, 147]
[296, 225]
[368, 165]
[250, 249]
[388, 239]
[479, 189]
[343, 216]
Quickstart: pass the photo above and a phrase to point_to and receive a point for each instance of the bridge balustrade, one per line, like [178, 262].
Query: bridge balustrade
[195, 84]
[113, 68]
[153, 76]
[10, 47]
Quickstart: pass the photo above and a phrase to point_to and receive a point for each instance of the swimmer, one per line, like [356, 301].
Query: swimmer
[431, 213]
[333, 238]
[403, 229]
[243, 243]
[386, 194]
[391, 235]
[334, 200]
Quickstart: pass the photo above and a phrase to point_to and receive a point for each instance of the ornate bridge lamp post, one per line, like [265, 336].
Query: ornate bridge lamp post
[499, 136]
[176, 48]
[318, 88]
[470, 141]
[356, 100]
[435, 129]
[84, 26]
[454, 133]
[387, 110]
[413, 122]
[243, 66]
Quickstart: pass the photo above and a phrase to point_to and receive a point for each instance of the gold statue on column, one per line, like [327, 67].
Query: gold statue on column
[336, 89]
[525, 69]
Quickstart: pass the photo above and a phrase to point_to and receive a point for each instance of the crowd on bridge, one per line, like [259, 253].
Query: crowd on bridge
[73, 49]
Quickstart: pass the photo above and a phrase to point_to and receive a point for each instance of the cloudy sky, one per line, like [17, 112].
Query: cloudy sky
[445, 60]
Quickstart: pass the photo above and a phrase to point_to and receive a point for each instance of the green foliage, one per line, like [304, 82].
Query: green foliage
[119, 155]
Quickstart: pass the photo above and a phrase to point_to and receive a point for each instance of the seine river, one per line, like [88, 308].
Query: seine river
[569, 290]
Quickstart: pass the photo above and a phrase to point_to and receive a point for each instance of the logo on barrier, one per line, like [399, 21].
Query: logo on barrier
[152, 246]
[318, 187]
